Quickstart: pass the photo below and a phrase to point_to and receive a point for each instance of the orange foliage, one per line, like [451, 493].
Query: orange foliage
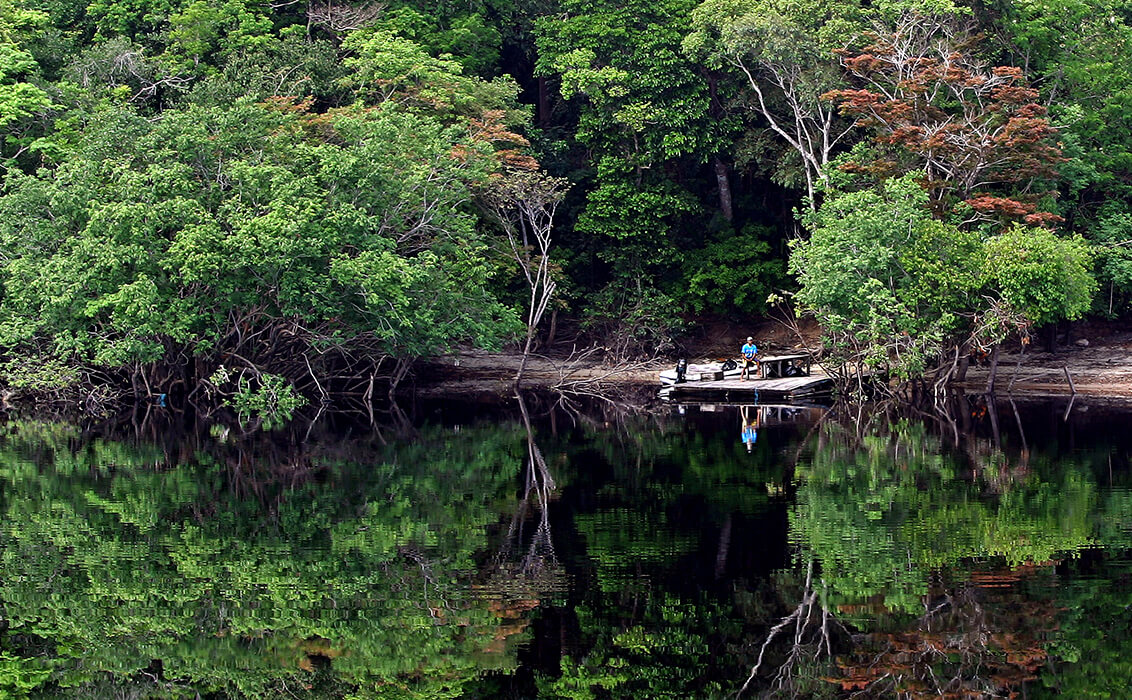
[989, 637]
[965, 126]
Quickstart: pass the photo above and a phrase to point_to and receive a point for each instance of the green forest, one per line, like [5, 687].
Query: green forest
[286, 196]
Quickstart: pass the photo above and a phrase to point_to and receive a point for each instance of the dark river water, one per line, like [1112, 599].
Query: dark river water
[464, 550]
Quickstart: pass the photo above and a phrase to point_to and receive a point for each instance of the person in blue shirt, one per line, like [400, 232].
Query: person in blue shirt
[749, 431]
[750, 358]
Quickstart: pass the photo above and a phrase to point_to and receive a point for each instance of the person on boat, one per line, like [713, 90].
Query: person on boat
[750, 358]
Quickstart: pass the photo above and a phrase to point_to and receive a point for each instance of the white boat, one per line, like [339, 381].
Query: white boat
[704, 371]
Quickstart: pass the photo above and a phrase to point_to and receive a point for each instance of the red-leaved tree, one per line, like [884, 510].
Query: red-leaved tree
[976, 132]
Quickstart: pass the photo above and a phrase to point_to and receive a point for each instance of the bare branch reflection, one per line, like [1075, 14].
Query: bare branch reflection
[528, 559]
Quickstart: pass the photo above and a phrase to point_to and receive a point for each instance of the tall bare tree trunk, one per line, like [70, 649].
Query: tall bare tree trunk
[524, 204]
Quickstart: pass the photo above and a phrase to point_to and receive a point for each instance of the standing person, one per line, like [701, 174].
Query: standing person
[750, 358]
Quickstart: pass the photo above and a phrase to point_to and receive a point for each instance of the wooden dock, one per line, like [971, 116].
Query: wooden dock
[754, 390]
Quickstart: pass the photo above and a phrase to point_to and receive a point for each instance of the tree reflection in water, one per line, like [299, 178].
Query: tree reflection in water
[521, 574]
[926, 573]
[585, 555]
[539, 558]
[254, 568]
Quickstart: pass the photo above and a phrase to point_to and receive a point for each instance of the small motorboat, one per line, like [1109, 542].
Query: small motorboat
[707, 370]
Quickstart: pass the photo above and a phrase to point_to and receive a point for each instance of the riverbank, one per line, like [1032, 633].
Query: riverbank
[475, 371]
[1098, 361]
[1103, 369]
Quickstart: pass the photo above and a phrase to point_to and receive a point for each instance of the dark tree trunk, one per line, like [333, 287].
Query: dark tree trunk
[964, 413]
[724, 188]
[724, 546]
[715, 109]
[550, 334]
[964, 362]
[992, 411]
[1050, 332]
[993, 369]
[543, 103]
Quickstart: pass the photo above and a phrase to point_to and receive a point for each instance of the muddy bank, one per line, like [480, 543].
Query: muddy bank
[1098, 360]
[473, 372]
[712, 340]
[1100, 370]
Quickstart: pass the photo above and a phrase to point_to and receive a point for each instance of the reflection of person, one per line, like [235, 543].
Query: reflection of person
[750, 430]
[750, 358]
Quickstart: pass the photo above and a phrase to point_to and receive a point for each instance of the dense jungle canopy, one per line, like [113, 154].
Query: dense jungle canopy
[324, 190]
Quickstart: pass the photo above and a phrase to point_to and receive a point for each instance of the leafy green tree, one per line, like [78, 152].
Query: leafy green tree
[132, 17]
[886, 279]
[217, 225]
[21, 99]
[386, 68]
[204, 32]
[466, 34]
[896, 288]
[785, 55]
[294, 66]
[644, 117]
[1070, 48]
[1113, 258]
[645, 102]
[734, 270]
[1045, 277]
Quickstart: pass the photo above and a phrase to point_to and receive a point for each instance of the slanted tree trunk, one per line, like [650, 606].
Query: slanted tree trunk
[400, 370]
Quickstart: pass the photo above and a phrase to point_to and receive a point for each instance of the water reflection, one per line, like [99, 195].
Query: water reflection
[530, 551]
[249, 571]
[932, 573]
